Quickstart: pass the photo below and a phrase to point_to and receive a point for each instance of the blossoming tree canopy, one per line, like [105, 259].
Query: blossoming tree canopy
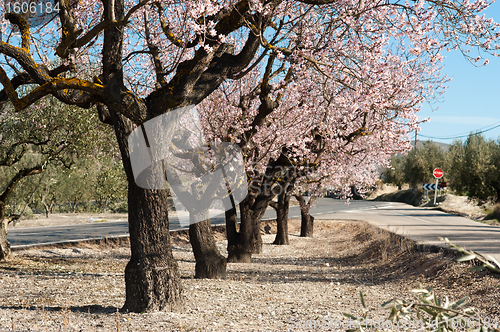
[367, 61]
[169, 44]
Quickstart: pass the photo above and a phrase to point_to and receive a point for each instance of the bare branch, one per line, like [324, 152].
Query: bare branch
[52, 86]
[160, 74]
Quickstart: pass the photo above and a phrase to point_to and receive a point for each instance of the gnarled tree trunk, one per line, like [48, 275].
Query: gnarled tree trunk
[152, 279]
[233, 238]
[249, 240]
[244, 242]
[5, 251]
[307, 221]
[282, 220]
[306, 224]
[152, 276]
[209, 262]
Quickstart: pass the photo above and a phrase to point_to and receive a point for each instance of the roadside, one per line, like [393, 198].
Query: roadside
[458, 205]
[59, 219]
[80, 287]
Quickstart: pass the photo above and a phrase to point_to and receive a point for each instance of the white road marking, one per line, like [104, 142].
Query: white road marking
[370, 208]
[410, 216]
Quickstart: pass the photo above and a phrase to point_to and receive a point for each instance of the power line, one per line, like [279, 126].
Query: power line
[465, 135]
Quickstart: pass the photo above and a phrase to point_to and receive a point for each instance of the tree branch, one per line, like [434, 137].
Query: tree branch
[53, 86]
[160, 74]
[23, 26]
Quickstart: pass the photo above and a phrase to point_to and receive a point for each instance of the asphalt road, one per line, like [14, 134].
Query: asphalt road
[19, 237]
[422, 225]
[426, 225]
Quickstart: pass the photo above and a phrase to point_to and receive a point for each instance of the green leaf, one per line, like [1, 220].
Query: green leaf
[466, 258]
[460, 303]
[350, 316]
[477, 268]
[362, 299]
[386, 303]
[428, 310]
[419, 290]
[494, 261]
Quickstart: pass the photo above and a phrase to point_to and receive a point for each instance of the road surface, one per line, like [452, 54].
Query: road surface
[422, 225]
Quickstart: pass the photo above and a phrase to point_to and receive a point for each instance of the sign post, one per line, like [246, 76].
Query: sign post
[438, 173]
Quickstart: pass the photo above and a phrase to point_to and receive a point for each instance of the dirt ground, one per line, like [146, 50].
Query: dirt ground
[286, 288]
[59, 219]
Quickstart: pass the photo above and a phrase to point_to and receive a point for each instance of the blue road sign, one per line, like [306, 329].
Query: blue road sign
[428, 186]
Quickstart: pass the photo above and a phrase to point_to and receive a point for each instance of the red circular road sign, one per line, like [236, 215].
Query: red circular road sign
[438, 173]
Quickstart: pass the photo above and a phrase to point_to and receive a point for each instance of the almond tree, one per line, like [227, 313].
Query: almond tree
[316, 132]
[362, 103]
[152, 57]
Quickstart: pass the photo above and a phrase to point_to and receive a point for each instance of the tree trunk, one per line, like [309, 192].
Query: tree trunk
[250, 227]
[249, 240]
[307, 221]
[282, 220]
[152, 279]
[4, 196]
[240, 245]
[73, 206]
[104, 206]
[234, 249]
[306, 224]
[5, 251]
[47, 209]
[497, 189]
[209, 262]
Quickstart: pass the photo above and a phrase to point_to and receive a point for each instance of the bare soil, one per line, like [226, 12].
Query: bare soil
[81, 287]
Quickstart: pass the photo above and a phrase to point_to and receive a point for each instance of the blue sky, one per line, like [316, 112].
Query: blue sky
[472, 100]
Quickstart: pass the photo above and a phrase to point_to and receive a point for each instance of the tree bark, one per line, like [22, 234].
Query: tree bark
[233, 238]
[152, 279]
[239, 244]
[307, 221]
[497, 189]
[306, 224]
[209, 262]
[282, 220]
[249, 240]
[5, 251]
[152, 276]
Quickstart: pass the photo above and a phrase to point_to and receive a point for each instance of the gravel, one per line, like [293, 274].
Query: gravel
[305, 286]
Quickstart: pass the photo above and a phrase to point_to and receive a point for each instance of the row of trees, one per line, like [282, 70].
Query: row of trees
[327, 86]
[471, 166]
[53, 154]
[85, 186]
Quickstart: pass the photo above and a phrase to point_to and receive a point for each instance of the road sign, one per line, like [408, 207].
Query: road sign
[438, 173]
[429, 186]
[432, 186]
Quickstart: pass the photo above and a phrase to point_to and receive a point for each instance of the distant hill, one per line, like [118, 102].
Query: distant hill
[443, 146]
